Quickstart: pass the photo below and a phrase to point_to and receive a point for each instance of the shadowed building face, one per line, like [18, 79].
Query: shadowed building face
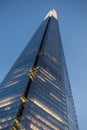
[36, 93]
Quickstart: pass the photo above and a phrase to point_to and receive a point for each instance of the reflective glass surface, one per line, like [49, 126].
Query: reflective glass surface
[36, 93]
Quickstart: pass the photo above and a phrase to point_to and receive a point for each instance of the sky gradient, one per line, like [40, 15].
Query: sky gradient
[19, 19]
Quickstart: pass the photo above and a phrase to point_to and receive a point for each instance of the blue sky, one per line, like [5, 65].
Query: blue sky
[19, 19]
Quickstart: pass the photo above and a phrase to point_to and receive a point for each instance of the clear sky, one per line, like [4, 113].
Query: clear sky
[19, 20]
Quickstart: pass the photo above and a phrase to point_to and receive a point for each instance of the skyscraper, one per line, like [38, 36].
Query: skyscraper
[36, 93]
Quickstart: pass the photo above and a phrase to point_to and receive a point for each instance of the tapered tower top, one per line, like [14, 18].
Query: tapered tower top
[51, 13]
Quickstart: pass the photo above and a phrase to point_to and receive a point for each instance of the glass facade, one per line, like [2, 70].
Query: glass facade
[36, 93]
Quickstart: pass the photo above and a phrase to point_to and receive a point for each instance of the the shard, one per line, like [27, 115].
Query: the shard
[36, 92]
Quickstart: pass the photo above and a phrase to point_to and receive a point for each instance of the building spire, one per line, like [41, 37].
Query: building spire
[51, 13]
